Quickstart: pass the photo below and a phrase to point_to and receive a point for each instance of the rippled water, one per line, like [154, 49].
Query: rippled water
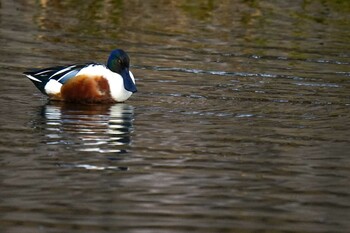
[241, 122]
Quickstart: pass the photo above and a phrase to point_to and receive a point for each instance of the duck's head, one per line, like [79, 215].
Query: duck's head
[119, 62]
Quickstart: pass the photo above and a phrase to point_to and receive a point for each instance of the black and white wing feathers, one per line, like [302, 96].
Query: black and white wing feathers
[40, 77]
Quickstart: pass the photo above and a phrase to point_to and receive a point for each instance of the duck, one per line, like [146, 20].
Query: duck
[88, 82]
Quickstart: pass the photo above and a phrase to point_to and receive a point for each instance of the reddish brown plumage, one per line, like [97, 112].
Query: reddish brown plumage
[87, 89]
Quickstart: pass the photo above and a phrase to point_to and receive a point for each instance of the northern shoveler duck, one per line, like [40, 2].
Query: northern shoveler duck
[88, 83]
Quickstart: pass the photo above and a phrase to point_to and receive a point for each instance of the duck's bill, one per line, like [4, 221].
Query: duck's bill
[129, 85]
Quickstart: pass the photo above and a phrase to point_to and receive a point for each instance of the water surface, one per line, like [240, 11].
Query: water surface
[241, 122]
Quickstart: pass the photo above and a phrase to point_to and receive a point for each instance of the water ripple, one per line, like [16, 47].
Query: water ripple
[219, 73]
[91, 167]
[88, 128]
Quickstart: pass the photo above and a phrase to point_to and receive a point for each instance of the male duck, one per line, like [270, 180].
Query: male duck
[88, 83]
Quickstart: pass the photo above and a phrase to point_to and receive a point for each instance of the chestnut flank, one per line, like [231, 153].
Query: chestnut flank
[83, 88]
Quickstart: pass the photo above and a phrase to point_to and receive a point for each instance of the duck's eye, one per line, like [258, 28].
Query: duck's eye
[119, 61]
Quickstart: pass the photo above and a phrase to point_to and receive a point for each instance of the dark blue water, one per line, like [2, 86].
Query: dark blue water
[240, 124]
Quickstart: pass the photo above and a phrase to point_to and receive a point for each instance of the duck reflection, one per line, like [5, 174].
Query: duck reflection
[89, 128]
